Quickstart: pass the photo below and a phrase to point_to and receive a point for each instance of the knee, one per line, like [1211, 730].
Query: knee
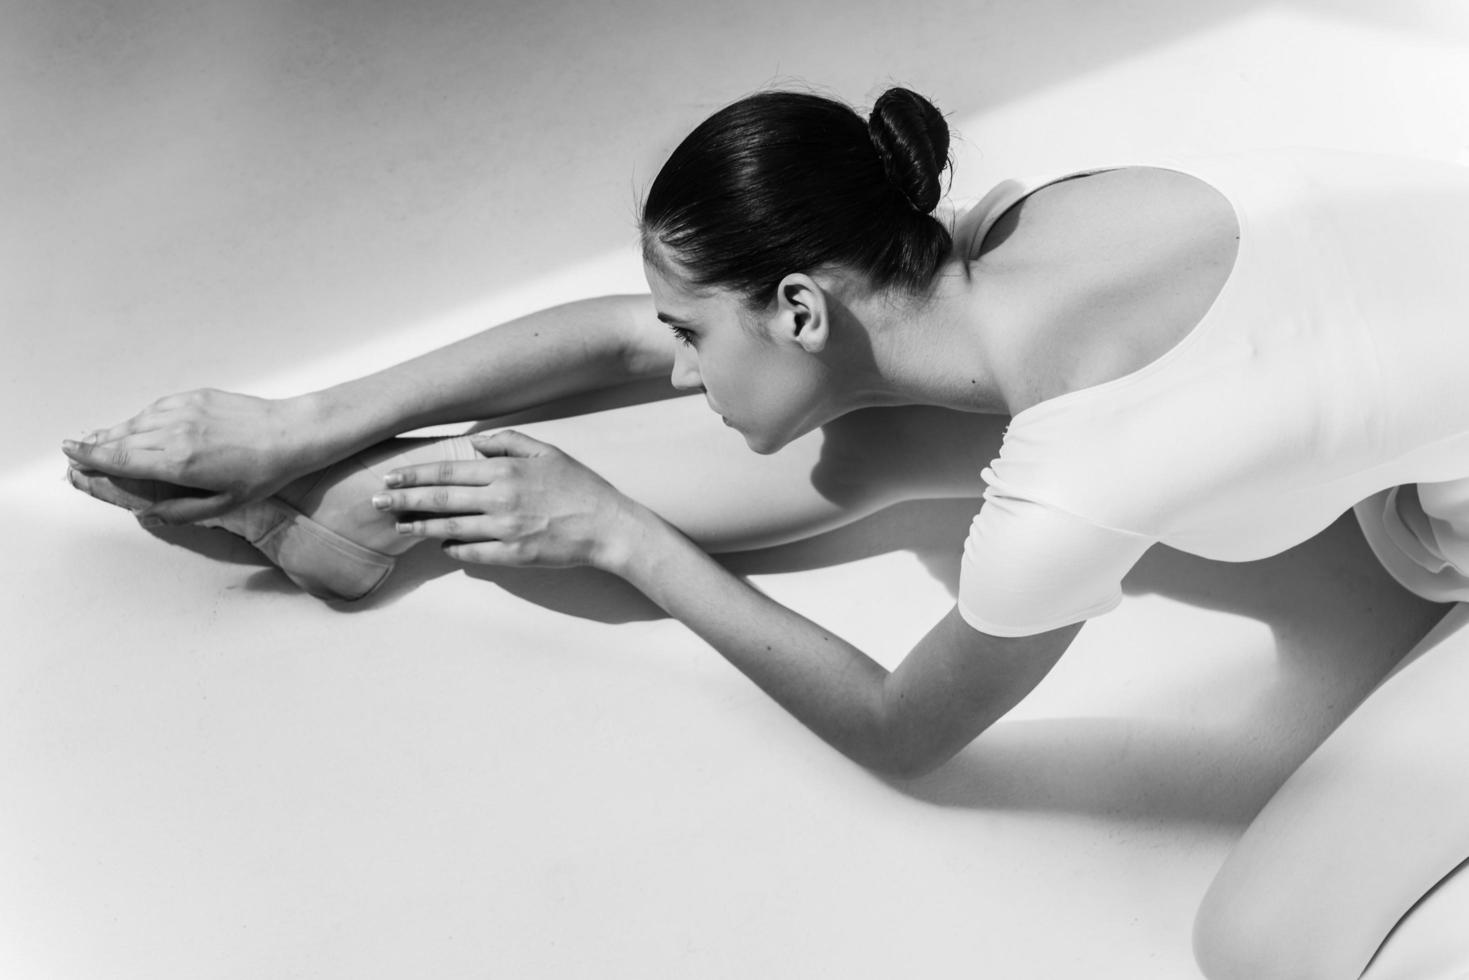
[1260, 934]
[861, 466]
[1227, 946]
[910, 452]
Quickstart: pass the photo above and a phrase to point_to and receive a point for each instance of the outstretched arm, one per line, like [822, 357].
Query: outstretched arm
[559, 351]
[244, 448]
[952, 686]
[527, 503]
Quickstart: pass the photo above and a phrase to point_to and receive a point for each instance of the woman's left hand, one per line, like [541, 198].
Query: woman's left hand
[524, 503]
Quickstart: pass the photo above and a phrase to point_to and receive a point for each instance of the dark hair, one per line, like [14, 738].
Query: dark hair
[783, 182]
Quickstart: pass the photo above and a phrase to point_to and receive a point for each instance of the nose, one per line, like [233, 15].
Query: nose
[685, 375]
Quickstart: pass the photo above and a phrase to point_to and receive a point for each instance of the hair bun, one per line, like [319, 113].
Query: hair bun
[912, 141]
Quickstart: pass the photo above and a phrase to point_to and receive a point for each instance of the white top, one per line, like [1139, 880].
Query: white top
[1333, 364]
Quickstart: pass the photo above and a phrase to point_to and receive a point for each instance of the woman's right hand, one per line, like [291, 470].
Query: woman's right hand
[238, 448]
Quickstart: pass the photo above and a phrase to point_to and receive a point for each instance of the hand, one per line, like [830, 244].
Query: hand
[525, 503]
[237, 447]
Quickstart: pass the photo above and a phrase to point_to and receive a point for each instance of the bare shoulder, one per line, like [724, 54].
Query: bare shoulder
[1105, 217]
[1111, 270]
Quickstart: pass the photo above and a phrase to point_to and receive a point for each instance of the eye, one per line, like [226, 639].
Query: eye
[683, 336]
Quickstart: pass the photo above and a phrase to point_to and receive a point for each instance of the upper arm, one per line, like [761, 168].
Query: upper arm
[1030, 576]
[957, 682]
[1029, 566]
[647, 345]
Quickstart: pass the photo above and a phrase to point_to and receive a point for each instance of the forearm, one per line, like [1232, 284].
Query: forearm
[826, 683]
[525, 502]
[554, 352]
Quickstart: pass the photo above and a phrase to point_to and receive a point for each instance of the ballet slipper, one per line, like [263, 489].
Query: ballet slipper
[318, 559]
[130, 495]
[322, 561]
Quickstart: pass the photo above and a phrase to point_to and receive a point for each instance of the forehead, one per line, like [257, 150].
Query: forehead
[660, 264]
[673, 292]
[677, 297]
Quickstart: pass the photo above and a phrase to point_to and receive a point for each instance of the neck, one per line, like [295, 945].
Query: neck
[937, 349]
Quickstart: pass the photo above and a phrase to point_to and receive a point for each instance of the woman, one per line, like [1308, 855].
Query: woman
[1222, 356]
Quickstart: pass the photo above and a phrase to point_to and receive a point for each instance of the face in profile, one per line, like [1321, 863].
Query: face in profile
[765, 385]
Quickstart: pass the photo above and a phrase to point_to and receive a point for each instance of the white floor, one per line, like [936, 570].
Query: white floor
[206, 774]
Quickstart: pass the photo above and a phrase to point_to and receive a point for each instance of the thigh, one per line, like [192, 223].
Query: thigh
[678, 458]
[1369, 823]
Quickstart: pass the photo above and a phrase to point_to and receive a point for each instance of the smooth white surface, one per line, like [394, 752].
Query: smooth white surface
[206, 774]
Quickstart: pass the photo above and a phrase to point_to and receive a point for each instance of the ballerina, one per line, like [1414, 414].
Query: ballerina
[1222, 354]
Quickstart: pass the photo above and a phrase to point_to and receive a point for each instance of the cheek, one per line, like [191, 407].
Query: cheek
[766, 392]
[750, 382]
[782, 399]
[731, 372]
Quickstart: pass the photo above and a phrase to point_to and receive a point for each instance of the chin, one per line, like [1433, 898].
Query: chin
[757, 443]
[764, 444]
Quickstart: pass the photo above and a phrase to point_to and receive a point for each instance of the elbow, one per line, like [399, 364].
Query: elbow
[643, 347]
[907, 741]
[906, 761]
[907, 744]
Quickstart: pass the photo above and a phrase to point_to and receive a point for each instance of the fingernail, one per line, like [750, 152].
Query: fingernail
[150, 521]
[393, 479]
[381, 501]
[68, 445]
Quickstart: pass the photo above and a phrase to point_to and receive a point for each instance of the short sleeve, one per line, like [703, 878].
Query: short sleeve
[1029, 567]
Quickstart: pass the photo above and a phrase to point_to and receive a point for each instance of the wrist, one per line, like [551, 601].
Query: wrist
[325, 426]
[305, 425]
[633, 538]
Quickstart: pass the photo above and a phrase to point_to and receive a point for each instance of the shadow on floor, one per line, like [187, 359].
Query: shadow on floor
[1338, 624]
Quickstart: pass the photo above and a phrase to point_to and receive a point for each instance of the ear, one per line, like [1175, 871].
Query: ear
[801, 313]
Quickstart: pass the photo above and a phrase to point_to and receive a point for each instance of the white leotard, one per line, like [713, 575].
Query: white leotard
[1332, 368]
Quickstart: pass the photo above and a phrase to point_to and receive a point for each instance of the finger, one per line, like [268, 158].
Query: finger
[447, 472]
[485, 552]
[133, 456]
[147, 420]
[136, 433]
[182, 399]
[434, 500]
[508, 442]
[188, 510]
[457, 528]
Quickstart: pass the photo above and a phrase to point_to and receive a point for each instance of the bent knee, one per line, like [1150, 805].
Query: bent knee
[1229, 945]
[908, 452]
[1271, 931]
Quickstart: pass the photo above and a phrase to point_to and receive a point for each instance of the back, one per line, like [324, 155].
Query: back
[1329, 367]
[1106, 273]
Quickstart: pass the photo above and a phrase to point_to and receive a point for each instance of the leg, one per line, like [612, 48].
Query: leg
[322, 530]
[1375, 817]
[675, 457]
